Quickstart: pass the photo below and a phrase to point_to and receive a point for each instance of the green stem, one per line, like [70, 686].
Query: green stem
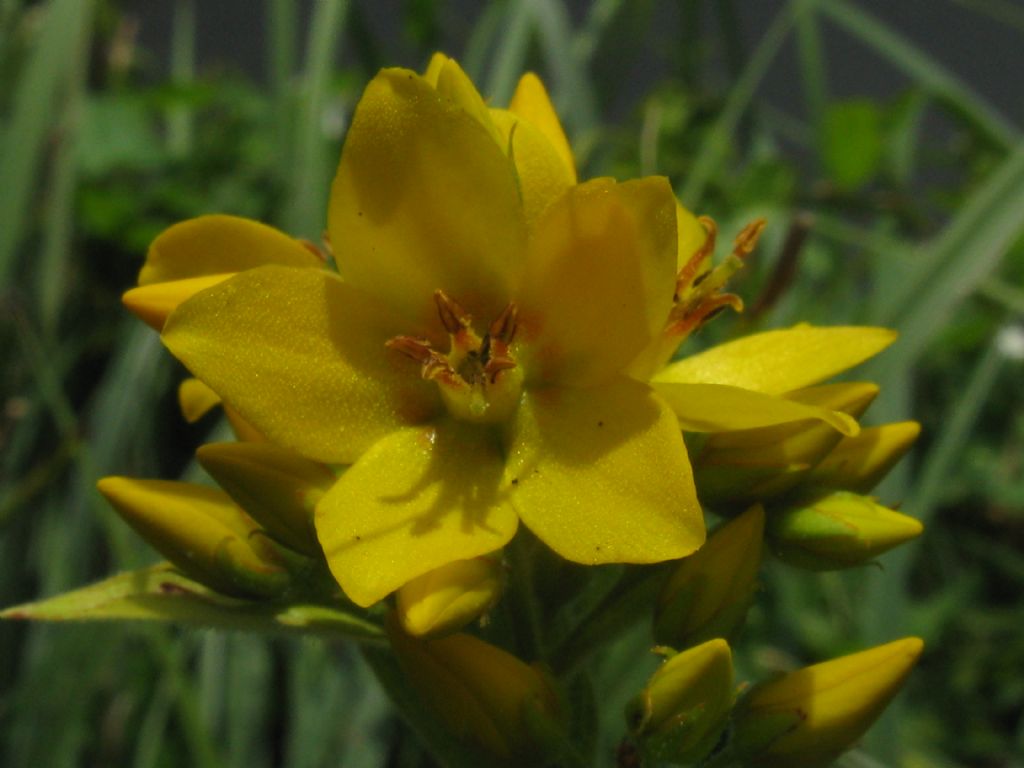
[523, 601]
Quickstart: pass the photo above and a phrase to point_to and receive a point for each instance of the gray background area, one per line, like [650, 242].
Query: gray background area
[978, 40]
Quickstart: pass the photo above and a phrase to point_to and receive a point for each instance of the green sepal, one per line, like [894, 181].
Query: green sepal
[162, 593]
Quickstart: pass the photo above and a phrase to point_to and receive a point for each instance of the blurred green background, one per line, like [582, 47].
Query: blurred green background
[892, 176]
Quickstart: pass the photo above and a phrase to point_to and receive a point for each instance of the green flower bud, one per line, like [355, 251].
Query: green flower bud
[201, 532]
[839, 530]
[277, 487]
[483, 695]
[448, 598]
[807, 718]
[859, 463]
[710, 591]
[740, 467]
[680, 715]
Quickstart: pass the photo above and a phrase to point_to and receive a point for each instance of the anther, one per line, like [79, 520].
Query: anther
[746, 240]
[504, 328]
[453, 317]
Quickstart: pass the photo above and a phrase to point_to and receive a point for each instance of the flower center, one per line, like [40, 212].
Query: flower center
[478, 378]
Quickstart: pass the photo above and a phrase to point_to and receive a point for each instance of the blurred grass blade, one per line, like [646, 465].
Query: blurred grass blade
[314, 165]
[24, 137]
[813, 66]
[960, 258]
[510, 57]
[482, 40]
[922, 68]
[183, 65]
[718, 139]
[599, 18]
[949, 446]
[573, 89]
[55, 265]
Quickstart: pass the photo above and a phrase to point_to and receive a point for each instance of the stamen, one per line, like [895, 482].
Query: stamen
[746, 240]
[453, 317]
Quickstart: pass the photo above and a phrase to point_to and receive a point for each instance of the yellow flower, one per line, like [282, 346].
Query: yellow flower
[484, 696]
[203, 533]
[680, 714]
[520, 304]
[807, 718]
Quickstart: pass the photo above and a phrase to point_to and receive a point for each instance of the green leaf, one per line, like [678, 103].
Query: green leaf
[160, 593]
[851, 142]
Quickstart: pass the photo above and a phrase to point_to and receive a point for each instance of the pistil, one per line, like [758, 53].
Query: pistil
[478, 378]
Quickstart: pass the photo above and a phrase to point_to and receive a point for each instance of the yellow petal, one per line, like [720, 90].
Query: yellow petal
[216, 244]
[200, 530]
[418, 499]
[531, 101]
[543, 177]
[598, 280]
[196, 399]
[859, 463]
[779, 361]
[433, 70]
[300, 355]
[425, 199]
[454, 85]
[809, 717]
[601, 475]
[720, 408]
[154, 302]
[690, 236]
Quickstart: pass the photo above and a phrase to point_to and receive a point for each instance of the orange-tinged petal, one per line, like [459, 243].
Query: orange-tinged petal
[217, 244]
[601, 475]
[598, 280]
[543, 176]
[531, 101]
[418, 499]
[152, 303]
[783, 360]
[720, 408]
[425, 199]
[300, 355]
[196, 399]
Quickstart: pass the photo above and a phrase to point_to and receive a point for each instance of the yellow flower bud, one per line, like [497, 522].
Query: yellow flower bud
[743, 466]
[709, 592]
[448, 598]
[483, 695]
[681, 713]
[839, 530]
[807, 718]
[201, 532]
[154, 302]
[277, 487]
[859, 463]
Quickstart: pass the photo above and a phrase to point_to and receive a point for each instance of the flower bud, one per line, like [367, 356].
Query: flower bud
[448, 598]
[859, 463]
[483, 695]
[277, 487]
[743, 466]
[710, 591]
[839, 530]
[681, 713]
[201, 532]
[154, 302]
[807, 718]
